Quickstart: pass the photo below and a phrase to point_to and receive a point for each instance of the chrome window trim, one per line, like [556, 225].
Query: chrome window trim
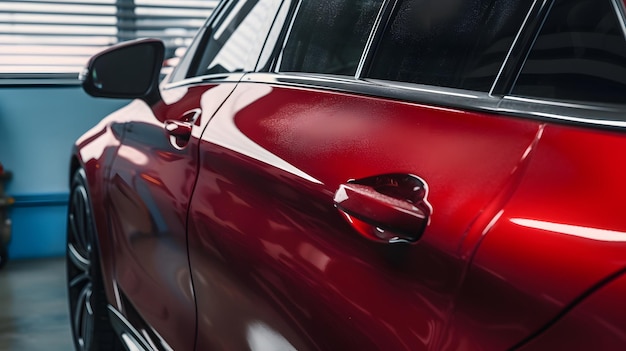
[377, 31]
[514, 45]
[590, 115]
[292, 20]
[206, 79]
[520, 48]
[599, 115]
[284, 6]
[408, 92]
[618, 5]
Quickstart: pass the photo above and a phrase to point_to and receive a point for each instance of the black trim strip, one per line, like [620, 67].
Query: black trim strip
[601, 115]
[596, 115]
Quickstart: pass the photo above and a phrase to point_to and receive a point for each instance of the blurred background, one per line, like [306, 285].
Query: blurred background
[43, 47]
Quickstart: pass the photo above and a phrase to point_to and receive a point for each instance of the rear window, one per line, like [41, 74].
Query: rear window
[579, 55]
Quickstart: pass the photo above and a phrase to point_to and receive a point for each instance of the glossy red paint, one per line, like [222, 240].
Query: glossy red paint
[94, 152]
[524, 232]
[595, 324]
[521, 227]
[146, 208]
[151, 184]
[562, 232]
[308, 276]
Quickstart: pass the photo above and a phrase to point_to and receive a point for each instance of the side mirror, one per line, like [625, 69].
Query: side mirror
[129, 70]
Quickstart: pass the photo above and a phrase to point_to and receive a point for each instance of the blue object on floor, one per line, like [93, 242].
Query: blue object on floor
[38, 226]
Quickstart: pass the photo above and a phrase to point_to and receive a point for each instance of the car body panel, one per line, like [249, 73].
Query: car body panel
[597, 323]
[151, 182]
[563, 232]
[95, 151]
[262, 216]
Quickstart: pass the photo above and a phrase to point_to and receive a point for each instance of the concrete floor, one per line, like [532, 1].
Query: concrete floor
[33, 306]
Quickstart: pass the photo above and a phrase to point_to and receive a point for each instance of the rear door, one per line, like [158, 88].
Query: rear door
[330, 211]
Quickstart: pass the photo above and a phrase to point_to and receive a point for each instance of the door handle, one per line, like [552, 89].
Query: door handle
[180, 129]
[390, 208]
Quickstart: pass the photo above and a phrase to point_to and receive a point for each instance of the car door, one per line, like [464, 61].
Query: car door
[337, 212]
[154, 173]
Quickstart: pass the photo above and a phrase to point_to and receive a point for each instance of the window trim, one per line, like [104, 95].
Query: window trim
[600, 116]
[274, 55]
[371, 46]
[620, 10]
[520, 48]
[286, 31]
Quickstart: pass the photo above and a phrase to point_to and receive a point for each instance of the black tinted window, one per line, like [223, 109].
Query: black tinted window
[328, 36]
[580, 54]
[450, 43]
[237, 36]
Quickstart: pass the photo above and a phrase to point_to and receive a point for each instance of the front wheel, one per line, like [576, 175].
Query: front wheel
[91, 328]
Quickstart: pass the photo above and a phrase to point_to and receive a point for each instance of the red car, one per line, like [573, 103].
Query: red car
[359, 175]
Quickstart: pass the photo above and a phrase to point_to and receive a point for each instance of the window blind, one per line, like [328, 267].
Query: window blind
[42, 37]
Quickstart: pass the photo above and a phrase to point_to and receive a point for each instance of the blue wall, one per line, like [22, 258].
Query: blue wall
[38, 125]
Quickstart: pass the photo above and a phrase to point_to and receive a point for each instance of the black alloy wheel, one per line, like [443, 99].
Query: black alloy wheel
[89, 319]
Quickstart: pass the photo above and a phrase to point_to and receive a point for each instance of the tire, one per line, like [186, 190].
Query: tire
[89, 318]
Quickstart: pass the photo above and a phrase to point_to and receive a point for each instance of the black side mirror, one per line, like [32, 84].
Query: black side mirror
[129, 70]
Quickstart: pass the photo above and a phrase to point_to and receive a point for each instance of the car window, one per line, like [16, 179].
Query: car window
[580, 55]
[452, 43]
[237, 36]
[328, 36]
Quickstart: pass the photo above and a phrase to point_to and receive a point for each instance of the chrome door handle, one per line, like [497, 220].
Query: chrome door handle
[390, 208]
[179, 130]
